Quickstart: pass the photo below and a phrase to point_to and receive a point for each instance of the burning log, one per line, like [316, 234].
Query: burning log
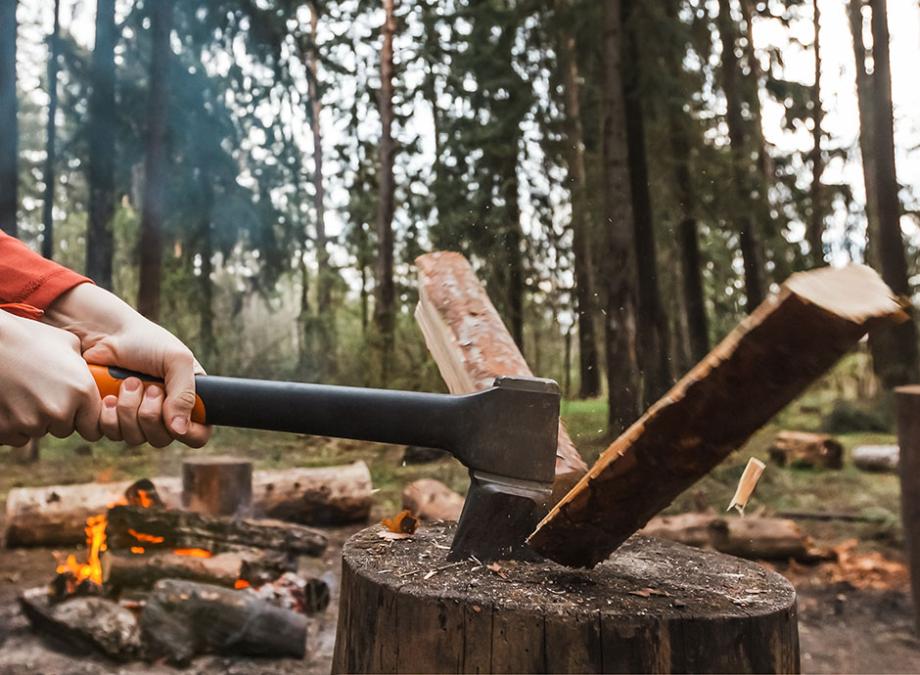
[789, 341]
[217, 486]
[157, 529]
[127, 570]
[802, 449]
[430, 499]
[84, 623]
[182, 619]
[471, 345]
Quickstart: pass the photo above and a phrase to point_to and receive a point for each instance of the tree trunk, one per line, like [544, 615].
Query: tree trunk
[206, 338]
[385, 295]
[749, 239]
[653, 343]
[511, 239]
[51, 135]
[896, 349]
[100, 242]
[619, 270]
[151, 247]
[9, 139]
[818, 209]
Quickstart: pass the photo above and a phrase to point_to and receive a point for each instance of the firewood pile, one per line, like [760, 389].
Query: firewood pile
[159, 582]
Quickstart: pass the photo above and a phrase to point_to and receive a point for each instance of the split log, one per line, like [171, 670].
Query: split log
[430, 499]
[471, 345]
[876, 457]
[752, 537]
[768, 360]
[168, 529]
[331, 495]
[127, 570]
[217, 486]
[803, 449]
[182, 619]
[85, 624]
[56, 515]
[656, 606]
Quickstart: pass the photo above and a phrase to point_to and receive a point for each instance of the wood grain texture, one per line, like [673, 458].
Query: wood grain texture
[768, 360]
[471, 345]
[217, 485]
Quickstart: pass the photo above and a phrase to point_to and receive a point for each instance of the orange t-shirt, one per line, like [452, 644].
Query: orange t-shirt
[28, 282]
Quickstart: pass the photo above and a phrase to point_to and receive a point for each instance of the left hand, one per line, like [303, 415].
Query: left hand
[111, 333]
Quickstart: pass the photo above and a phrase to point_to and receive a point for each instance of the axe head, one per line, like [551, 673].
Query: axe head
[508, 441]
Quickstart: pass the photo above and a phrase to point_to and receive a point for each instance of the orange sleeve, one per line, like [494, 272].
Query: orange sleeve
[27, 278]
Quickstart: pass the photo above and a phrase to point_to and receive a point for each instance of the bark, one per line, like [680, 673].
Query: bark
[897, 359]
[656, 607]
[471, 346]
[217, 486]
[100, 242]
[767, 361]
[654, 349]
[429, 499]
[749, 237]
[9, 139]
[151, 245]
[619, 270]
[802, 449]
[49, 176]
[385, 295]
[908, 414]
[818, 206]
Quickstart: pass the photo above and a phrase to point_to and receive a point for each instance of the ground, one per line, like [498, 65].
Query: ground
[843, 628]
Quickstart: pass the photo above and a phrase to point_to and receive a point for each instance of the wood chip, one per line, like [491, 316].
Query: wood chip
[746, 485]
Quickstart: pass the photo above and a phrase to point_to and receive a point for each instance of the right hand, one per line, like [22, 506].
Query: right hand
[45, 386]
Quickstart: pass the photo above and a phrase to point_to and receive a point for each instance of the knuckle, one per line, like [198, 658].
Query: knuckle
[186, 398]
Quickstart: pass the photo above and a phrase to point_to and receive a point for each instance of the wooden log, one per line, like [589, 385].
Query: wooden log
[56, 515]
[168, 529]
[84, 624]
[471, 345]
[430, 499]
[656, 606]
[908, 412]
[768, 360]
[332, 495]
[127, 570]
[883, 458]
[807, 450]
[217, 486]
[182, 619]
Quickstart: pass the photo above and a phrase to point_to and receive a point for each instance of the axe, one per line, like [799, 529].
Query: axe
[505, 435]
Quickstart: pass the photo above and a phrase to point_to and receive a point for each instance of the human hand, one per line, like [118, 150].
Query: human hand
[111, 333]
[47, 387]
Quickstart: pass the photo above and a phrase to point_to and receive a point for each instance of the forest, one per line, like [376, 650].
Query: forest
[629, 179]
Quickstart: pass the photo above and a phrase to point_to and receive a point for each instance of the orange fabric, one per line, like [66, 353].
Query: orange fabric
[28, 279]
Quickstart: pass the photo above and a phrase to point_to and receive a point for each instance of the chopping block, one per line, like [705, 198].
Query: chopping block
[654, 607]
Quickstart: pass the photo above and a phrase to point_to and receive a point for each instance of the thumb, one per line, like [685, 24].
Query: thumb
[179, 377]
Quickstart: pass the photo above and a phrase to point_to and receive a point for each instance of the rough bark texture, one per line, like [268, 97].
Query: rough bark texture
[656, 607]
[908, 402]
[752, 374]
[9, 139]
[127, 570]
[170, 529]
[154, 208]
[818, 207]
[618, 271]
[385, 291]
[749, 237]
[430, 499]
[100, 241]
[895, 348]
[49, 174]
[802, 449]
[217, 486]
[589, 377]
[470, 344]
[184, 618]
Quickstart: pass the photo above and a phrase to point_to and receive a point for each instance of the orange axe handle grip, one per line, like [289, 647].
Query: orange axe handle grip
[109, 379]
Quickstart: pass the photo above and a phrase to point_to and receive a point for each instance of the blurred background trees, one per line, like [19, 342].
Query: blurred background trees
[629, 178]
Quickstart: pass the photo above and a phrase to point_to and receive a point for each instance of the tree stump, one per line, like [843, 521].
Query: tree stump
[217, 486]
[655, 606]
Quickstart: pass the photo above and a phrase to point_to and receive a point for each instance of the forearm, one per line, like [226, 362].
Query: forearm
[89, 312]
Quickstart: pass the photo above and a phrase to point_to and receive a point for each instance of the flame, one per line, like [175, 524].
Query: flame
[193, 552]
[240, 584]
[137, 550]
[144, 499]
[149, 538]
[95, 540]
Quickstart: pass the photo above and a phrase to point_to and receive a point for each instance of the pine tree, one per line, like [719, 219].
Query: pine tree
[49, 174]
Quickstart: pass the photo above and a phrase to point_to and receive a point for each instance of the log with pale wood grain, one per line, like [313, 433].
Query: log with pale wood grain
[430, 499]
[768, 360]
[471, 345]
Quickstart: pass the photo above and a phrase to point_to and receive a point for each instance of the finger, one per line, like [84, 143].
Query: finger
[129, 400]
[180, 392]
[15, 440]
[108, 419]
[150, 417]
[198, 435]
[86, 421]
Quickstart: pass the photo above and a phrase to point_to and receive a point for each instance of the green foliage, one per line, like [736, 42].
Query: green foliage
[860, 416]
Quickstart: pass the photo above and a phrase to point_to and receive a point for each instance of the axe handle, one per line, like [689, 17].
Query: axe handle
[376, 415]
